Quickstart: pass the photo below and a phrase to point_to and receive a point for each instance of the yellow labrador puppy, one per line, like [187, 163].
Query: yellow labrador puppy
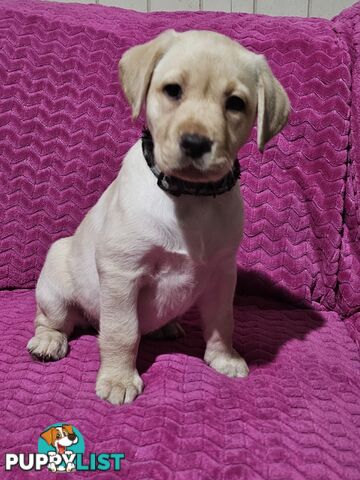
[165, 233]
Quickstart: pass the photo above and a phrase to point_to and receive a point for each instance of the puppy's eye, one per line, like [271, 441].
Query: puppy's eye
[173, 90]
[235, 104]
[58, 435]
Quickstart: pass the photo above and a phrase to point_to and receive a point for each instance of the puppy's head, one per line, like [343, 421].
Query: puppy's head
[63, 436]
[202, 92]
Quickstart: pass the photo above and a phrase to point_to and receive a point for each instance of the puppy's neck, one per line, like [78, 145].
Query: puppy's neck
[176, 186]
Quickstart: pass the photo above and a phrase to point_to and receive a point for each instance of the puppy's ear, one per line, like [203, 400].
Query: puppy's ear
[273, 104]
[68, 428]
[137, 65]
[49, 435]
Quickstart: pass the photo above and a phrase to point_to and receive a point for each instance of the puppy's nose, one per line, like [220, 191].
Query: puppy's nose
[72, 436]
[194, 145]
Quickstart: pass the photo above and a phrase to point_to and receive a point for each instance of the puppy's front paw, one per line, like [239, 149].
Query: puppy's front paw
[70, 467]
[229, 364]
[52, 467]
[118, 388]
[49, 345]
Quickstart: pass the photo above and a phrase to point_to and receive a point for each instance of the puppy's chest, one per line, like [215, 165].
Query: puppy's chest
[170, 286]
[186, 247]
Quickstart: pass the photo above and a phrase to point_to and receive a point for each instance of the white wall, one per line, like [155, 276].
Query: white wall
[304, 8]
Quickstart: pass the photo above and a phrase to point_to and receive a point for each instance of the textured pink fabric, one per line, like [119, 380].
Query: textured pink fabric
[64, 129]
[296, 417]
[348, 24]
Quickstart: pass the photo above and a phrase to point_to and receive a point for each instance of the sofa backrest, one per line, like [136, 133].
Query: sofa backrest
[347, 24]
[65, 128]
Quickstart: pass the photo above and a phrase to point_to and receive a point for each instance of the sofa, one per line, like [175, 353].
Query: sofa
[64, 128]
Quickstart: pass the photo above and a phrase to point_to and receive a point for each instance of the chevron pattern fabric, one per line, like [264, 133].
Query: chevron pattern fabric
[64, 129]
[348, 23]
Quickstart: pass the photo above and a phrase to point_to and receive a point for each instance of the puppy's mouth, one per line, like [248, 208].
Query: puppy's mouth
[192, 173]
[203, 169]
[61, 449]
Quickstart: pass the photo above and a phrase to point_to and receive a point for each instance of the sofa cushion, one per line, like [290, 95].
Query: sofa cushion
[66, 128]
[348, 24]
[296, 417]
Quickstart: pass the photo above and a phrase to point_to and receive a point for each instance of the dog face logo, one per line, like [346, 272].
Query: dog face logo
[61, 442]
[61, 448]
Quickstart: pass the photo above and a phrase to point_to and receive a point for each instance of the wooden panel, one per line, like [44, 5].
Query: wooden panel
[75, 1]
[283, 7]
[246, 6]
[328, 8]
[316, 8]
[140, 5]
[172, 5]
[216, 6]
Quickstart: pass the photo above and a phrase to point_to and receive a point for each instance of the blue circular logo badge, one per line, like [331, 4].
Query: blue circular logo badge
[61, 442]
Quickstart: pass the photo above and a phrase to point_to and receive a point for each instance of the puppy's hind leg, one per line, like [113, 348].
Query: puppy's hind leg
[53, 322]
[48, 343]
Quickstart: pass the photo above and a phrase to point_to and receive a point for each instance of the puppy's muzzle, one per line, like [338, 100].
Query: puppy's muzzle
[194, 145]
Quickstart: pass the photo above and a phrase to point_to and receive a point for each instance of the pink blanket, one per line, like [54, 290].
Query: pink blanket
[64, 129]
